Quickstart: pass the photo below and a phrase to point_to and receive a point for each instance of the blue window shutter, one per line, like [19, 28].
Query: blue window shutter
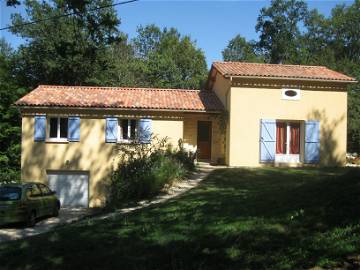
[145, 130]
[111, 132]
[267, 140]
[312, 142]
[40, 128]
[74, 129]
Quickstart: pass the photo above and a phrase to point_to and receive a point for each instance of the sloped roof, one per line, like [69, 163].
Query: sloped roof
[257, 70]
[124, 98]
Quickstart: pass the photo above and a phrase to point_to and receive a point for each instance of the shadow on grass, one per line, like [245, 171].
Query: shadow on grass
[236, 219]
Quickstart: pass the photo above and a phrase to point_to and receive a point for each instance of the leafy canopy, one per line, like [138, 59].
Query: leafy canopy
[239, 49]
[65, 50]
[168, 59]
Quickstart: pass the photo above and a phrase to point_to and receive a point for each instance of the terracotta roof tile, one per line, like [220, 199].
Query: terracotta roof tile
[317, 73]
[118, 97]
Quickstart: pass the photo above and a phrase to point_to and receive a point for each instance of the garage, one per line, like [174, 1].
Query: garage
[72, 188]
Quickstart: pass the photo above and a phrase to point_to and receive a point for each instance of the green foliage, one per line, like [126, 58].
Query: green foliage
[279, 30]
[184, 157]
[146, 169]
[239, 49]
[10, 121]
[335, 42]
[168, 59]
[74, 51]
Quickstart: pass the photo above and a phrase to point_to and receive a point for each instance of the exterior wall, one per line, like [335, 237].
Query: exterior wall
[173, 129]
[249, 105]
[222, 89]
[218, 139]
[91, 153]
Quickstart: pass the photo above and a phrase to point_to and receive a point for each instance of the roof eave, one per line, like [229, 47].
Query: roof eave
[115, 109]
[288, 78]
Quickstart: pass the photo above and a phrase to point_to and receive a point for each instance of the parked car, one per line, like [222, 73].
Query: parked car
[26, 202]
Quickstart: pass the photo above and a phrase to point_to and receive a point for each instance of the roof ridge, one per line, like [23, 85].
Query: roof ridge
[116, 88]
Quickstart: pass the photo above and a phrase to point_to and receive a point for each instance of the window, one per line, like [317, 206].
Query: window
[287, 138]
[34, 191]
[58, 128]
[44, 190]
[291, 94]
[281, 138]
[127, 130]
[10, 193]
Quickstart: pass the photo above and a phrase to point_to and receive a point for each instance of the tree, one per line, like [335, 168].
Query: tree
[12, 3]
[69, 49]
[335, 42]
[279, 30]
[125, 68]
[10, 122]
[238, 49]
[167, 59]
[345, 43]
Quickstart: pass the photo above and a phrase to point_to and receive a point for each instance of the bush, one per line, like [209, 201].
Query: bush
[185, 158]
[145, 170]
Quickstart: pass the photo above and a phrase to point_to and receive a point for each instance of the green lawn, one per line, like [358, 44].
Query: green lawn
[236, 219]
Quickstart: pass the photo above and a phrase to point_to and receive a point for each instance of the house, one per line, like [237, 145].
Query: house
[249, 115]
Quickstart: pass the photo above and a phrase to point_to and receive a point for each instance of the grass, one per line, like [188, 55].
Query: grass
[236, 219]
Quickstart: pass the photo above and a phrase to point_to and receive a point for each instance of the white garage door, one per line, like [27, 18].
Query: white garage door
[71, 188]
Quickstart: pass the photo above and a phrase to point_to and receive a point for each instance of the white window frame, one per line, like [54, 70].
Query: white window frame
[296, 97]
[287, 157]
[120, 137]
[58, 138]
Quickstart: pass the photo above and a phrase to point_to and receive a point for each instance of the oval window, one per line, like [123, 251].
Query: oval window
[290, 93]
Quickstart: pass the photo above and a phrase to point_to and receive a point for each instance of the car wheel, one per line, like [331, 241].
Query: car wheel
[31, 220]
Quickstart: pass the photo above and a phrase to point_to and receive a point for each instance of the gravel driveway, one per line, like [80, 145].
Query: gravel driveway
[66, 216]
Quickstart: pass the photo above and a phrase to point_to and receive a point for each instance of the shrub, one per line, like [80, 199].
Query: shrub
[184, 157]
[144, 170]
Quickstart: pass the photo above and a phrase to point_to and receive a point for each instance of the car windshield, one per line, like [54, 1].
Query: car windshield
[10, 193]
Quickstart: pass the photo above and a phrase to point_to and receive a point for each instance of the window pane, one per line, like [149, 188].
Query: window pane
[63, 127]
[124, 129]
[294, 138]
[280, 138]
[53, 127]
[35, 191]
[132, 129]
[10, 193]
[44, 189]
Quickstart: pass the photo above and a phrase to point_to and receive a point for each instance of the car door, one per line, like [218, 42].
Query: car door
[47, 199]
[35, 201]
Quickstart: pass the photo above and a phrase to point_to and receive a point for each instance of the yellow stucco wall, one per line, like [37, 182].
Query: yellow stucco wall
[218, 140]
[221, 87]
[249, 105]
[91, 154]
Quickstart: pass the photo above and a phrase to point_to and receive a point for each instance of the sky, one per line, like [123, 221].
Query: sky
[211, 24]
